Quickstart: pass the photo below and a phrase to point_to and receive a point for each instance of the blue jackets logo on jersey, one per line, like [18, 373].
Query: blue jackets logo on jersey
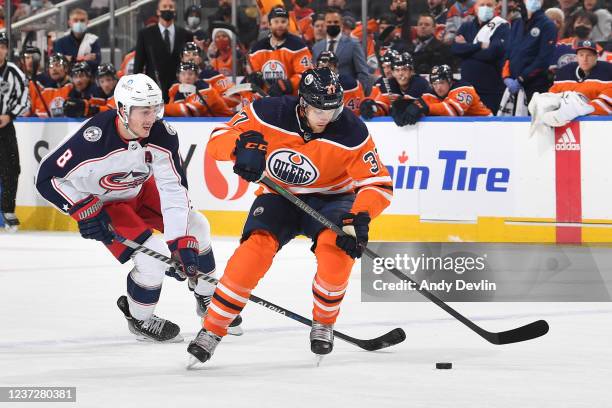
[123, 181]
[291, 167]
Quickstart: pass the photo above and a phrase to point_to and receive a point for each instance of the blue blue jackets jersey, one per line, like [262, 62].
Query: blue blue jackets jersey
[482, 67]
[95, 160]
[530, 47]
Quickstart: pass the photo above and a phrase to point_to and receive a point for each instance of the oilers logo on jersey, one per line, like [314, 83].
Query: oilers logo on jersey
[274, 69]
[292, 167]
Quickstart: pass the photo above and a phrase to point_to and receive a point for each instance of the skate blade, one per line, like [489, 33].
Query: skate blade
[319, 359]
[11, 229]
[194, 364]
[235, 331]
[177, 339]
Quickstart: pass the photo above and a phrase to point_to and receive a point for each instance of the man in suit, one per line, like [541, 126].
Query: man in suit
[351, 58]
[427, 51]
[158, 48]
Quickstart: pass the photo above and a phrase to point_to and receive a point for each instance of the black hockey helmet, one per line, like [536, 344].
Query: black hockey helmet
[328, 58]
[191, 47]
[106, 69]
[320, 88]
[29, 49]
[441, 73]
[277, 12]
[80, 67]
[3, 38]
[388, 56]
[58, 58]
[188, 66]
[192, 10]
[403, 59]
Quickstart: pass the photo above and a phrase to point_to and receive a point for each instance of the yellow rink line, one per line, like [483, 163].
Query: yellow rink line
[384, 228]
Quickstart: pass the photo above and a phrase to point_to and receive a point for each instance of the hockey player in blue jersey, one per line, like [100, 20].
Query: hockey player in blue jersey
[122, 171]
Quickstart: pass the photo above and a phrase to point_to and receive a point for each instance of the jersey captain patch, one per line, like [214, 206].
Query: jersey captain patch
[292, 167]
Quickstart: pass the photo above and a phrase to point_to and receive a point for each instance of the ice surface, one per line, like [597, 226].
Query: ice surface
[59, 326]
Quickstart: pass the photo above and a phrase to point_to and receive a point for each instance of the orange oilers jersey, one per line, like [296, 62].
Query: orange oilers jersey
[52, 97]
[127, 65]
[462, 100]
[341, 160]
[288, 61]
[224, 66]
[417, 86]
[353, 93]
[221, 83]
[597, 86]
[205, 101]
[102, 101]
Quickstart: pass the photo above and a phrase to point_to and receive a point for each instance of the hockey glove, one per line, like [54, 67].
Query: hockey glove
[94, 222]
[368, 108]
[280, 87]
[75, 108]
[398, 110]
[250, 153]
[185, 251]
[256, 78]
[413, 113]
[356, 227]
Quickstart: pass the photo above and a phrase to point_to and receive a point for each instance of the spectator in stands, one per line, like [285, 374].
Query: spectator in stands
[449, 98]
[39, 28]
[303, 15]
[79, 45]
[341, 6]
[348, 25]
[438, 9]
[481, 46]
[77, 105]
[462, 11]
[106, 80]
[220, 50]
[351, 58]
[277, 62]
[563, 53]
[514, 11]
[398, 92]
[54, 88]
[191, 96]
[427, 50]
[529, 50]
[158, 48]
[590, 77]
[353, 91]
[602, 31]
[556, 16]
[247, 32]
[400, 9]
[318, 27]
[569, 7]
[193, 18]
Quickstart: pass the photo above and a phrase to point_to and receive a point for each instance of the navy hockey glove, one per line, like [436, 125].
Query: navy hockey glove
[356, 227]
[94, 222]
[75, 108]
[398, 110]
[250, 153]
[185, 251]
[280, 87]
[368, 108]
[256, 78]
[413, 113]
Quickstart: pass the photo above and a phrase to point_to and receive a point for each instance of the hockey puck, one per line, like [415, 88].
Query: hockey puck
[444, 366]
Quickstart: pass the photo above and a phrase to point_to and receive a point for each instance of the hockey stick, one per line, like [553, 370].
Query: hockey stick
[391, 338]
[523, 333]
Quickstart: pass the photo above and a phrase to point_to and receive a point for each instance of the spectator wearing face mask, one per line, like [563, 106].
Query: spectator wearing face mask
[569, 7]
[159, 47]
[480, 44]
[529, 50]
[193, 19]
[351, 58]
[79, 45]
[602, 31]
[220, 51]
[583, 21]
[246, 23]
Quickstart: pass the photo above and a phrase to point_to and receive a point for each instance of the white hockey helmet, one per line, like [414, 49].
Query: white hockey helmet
[137, 90]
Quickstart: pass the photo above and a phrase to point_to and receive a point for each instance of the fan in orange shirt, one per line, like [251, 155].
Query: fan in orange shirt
[316, 149]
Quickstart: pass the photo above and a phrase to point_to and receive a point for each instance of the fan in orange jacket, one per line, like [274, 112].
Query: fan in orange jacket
[277, 62]
[53, 88]
[194, 97]
[449, 98]
[314, 148]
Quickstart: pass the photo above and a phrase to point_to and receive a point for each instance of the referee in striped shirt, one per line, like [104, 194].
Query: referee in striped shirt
[13, 102]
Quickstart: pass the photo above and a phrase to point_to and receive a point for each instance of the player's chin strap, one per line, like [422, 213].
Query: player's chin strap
[391, 338]
[307, 133]
[127, 128]
[527, 332]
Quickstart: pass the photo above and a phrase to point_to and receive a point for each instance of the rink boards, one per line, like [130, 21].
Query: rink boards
[455, 179]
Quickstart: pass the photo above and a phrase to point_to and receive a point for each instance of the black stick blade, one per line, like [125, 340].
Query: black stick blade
[389, 339]
[523, 333]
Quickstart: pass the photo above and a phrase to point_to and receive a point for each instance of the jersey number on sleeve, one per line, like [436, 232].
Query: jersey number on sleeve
[370, 158]
[63, 159]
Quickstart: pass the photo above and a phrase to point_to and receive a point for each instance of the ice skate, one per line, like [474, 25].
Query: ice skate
[11, 222]
[154, 329]
[202, 348]
[202, 303]
[321, 339]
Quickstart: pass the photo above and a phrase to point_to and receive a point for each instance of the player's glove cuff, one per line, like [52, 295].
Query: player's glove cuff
[89, 207]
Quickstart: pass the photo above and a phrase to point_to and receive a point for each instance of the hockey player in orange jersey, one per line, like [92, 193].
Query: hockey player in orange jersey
[323, 153]
[277, 62]
[53, 88]
[449, 98]
[103, 97]
[353, 91]
[191, 96]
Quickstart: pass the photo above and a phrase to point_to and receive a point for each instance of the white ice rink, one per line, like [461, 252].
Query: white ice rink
[59, 326]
